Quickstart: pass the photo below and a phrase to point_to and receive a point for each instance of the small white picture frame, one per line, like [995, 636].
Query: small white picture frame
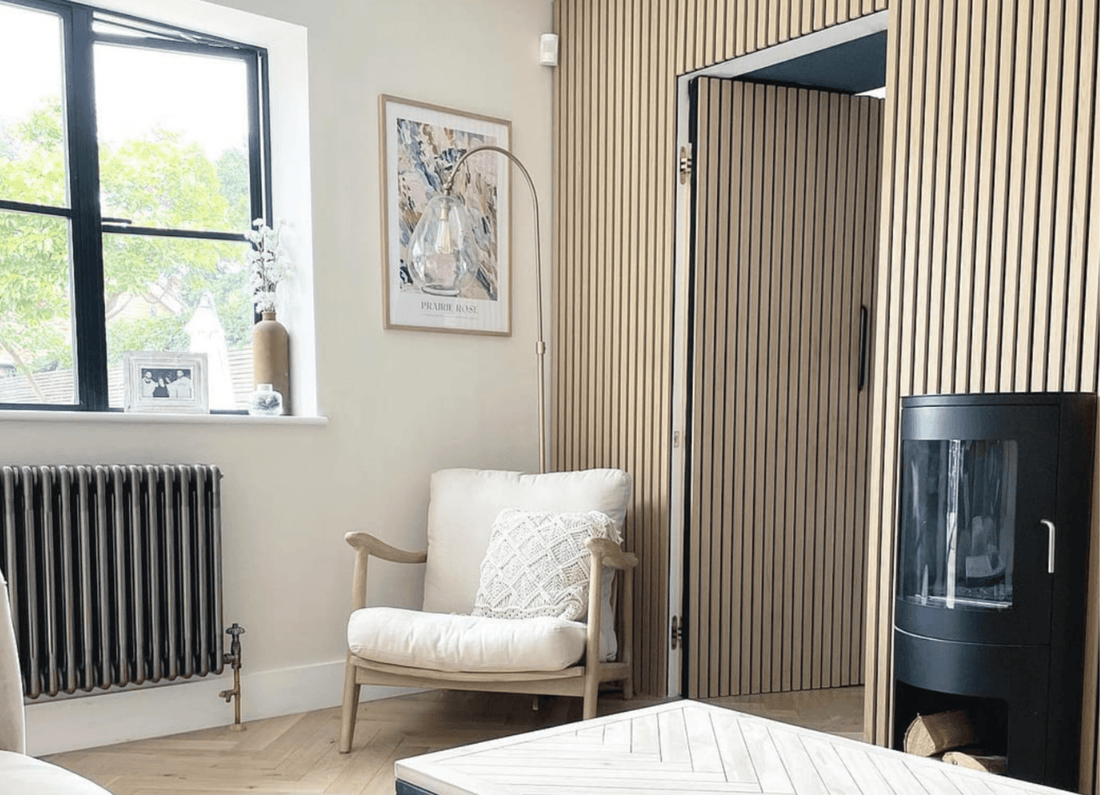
[165, 382]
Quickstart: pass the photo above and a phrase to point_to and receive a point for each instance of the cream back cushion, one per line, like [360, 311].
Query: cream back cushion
[465, 502]
[537, 564]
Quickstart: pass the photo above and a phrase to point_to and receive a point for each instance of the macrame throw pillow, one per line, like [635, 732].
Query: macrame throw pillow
[537, 564]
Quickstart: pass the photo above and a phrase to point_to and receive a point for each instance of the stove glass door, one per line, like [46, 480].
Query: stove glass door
[958, 523]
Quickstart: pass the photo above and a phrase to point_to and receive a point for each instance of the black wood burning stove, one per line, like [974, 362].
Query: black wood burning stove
[992, 551]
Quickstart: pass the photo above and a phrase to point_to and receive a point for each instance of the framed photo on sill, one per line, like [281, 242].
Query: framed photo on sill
[165, 382]
[420, 144]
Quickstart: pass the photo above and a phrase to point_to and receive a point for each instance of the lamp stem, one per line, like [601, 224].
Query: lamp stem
[540, 345]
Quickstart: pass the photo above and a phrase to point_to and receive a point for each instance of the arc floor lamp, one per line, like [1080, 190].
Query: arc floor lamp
[443, 258]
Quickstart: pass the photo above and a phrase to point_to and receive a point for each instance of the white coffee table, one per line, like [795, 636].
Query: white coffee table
[688, 747]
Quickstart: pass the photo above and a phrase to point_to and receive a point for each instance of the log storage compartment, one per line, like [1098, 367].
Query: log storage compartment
[992, 550]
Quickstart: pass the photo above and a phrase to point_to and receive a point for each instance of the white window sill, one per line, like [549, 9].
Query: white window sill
[155, 419]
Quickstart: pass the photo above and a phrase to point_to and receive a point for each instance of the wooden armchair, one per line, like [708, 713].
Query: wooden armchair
[536, 656]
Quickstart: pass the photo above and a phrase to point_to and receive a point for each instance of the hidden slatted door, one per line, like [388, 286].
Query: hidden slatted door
[785, 229]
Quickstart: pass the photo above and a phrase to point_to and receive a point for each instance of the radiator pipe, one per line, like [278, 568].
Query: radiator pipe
[233, 658]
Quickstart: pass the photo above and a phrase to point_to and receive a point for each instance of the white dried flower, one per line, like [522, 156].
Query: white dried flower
[267, 262]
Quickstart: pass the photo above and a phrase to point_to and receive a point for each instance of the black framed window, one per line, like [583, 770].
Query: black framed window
[133, 157]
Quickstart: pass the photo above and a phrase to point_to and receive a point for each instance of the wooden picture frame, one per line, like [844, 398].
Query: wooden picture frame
[163, 382]
[419, 145]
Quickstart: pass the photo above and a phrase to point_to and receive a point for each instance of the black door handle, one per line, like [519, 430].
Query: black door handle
[863, 348]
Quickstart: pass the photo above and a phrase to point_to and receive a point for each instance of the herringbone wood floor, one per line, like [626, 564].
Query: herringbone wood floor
[297, 754]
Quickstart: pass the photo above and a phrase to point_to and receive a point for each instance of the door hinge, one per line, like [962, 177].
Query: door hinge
[676, 633]
[685, 163]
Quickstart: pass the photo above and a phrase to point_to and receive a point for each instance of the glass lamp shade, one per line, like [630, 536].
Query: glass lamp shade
[442, 259]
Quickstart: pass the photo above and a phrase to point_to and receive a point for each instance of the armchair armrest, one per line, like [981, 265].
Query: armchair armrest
[372, 545]
[366, 545]
[606, 553]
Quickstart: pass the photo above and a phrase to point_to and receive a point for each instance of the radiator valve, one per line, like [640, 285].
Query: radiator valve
[233, 659]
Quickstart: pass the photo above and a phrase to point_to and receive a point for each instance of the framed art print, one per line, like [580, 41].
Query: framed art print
[420, 145]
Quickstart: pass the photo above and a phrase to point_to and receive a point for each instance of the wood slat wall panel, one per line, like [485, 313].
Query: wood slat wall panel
[986, 285]
[1014, 228]
[870, 293]
[615, 132]
[921, 212]
[778, 342]
[745, 352]
[814, 448]
[989, 276]
[1049, 192]
[943, 379]
[1080, 203]
[788, 299]
[845, 641]
[965, 313]
[809, 381]
[727, 605]
[759, 621]
[887, 347]
[1065, 306]
[755, 415]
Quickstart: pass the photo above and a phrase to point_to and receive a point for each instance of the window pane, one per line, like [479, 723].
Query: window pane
[173, 294]
[173, 139]
[32, 129]
[36, 327]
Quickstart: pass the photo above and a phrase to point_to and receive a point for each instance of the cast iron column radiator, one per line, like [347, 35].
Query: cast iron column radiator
[115, 574]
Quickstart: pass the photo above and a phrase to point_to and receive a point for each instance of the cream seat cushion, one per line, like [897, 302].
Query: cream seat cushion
[472, 644]
[25, 775]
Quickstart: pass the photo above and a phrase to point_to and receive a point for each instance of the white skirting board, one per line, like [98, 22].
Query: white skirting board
[96, 720]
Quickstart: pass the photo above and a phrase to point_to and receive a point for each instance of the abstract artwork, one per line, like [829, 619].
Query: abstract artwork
[420, 146]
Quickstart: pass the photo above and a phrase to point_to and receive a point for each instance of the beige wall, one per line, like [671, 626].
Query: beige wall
[400, 404]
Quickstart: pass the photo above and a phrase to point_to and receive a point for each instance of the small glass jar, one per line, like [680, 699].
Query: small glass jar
[265, 402]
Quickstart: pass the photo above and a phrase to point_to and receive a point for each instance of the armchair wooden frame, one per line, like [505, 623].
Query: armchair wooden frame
[579, 680]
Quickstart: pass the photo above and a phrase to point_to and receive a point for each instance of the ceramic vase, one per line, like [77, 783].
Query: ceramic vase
[271, 356]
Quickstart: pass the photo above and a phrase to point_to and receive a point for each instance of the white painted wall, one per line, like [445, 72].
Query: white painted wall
[292, 491]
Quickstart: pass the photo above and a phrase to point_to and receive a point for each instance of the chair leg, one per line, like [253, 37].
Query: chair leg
[351, 707]
[591, 691]
[628, 688]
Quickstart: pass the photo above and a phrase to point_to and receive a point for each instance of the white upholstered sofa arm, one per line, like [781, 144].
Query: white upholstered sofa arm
[12, 731]
[21, 774]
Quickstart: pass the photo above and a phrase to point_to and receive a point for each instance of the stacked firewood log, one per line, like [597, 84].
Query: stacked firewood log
[949, 736]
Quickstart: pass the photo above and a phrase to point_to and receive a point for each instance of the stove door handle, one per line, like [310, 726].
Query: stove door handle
[1050, 544]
